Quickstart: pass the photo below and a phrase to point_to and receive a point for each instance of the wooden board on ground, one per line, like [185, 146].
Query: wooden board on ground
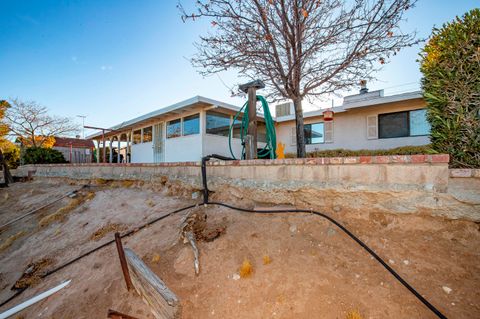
[163, 303]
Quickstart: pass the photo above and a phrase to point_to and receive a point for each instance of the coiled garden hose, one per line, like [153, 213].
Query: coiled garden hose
[268, 151]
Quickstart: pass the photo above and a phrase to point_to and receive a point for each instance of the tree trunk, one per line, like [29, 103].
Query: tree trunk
[297, 102]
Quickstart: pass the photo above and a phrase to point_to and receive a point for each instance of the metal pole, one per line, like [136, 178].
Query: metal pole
[103, 145]
[123, 261]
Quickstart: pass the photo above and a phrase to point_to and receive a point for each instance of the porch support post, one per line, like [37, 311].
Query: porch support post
[98, 151]
[118, 150]
[110, 158]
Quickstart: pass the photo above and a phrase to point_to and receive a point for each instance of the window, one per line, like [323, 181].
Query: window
[218, 123]
[174, 128]
[403, 124]
[314, 133]
[191, 124]
[418, 123]
[137, 136]
[393, 125]
[147, 134]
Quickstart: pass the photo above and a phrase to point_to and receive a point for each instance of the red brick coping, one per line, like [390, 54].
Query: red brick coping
[389, 159]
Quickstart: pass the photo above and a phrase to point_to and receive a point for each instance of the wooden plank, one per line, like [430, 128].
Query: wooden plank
[163, 303]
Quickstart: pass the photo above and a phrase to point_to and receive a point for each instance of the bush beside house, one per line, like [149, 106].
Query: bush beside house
[450, 63]
[404, 150]
[42, 155]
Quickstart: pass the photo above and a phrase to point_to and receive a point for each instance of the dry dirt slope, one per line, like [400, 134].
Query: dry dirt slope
[315, 271]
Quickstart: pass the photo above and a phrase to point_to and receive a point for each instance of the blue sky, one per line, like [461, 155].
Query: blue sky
[113, 60]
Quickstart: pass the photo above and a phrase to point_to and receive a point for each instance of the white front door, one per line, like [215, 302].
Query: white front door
[158, 144]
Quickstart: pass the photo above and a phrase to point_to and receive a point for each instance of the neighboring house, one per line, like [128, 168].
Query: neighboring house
[75, 150]
[364, 121]
[197, 127]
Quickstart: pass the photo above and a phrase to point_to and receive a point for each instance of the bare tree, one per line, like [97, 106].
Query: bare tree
[30, 122]
[300, 48]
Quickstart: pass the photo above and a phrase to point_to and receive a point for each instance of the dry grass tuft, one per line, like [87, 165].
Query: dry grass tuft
[62, 212]
[33, 273]
[109, 228]
[155, 258]
[246, 269]
[266, 260]
[10, 240]
[353, 314]
[102, 181]
[127, 183]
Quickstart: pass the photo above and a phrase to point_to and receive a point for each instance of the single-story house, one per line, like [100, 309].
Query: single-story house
[199, 126]
[75, 150]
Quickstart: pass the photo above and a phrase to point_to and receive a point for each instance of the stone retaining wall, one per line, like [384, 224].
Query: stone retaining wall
[401, 184]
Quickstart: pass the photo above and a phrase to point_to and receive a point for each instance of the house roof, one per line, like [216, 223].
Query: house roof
[74, 142]
[359, 101]
[176, 108]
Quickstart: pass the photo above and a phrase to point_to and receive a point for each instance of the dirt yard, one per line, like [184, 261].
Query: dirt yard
[303, 267]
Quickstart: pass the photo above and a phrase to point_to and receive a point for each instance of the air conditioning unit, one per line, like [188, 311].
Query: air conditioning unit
[284, 109]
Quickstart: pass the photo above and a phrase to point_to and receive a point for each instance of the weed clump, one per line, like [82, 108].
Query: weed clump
[246, 269]
[109, 228]
[266, 260]
[62, 212]
[32, 274]
[353, 314]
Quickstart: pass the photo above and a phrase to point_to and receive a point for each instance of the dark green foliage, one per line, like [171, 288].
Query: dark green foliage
[404, 150]
[42, 155]
[450, 63]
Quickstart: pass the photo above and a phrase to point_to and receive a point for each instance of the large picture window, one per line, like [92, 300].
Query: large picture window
[218, 123]
[403, 124]
[147, 134]
[314, 133]
[174, 128]
[393, 125]
[191, 124]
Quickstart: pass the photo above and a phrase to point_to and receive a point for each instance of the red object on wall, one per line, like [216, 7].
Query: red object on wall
[328, 115]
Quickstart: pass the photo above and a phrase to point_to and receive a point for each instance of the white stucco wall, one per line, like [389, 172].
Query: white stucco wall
[350, 130]
[215, 144]
[142, 153]
[183, 148]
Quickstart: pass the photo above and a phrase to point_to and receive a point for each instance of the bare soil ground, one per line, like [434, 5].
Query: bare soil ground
[315, 270]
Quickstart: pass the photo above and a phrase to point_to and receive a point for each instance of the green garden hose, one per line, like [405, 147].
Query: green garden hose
[268, 151]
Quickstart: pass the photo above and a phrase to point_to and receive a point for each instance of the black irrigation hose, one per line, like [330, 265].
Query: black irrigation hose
[68, 263]
[272, 211]
[330, 219]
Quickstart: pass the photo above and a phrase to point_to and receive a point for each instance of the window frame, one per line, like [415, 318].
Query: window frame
[206, 123]
[408, 124]
[133, 137]
[181, 128]
[197, 115]
[310, 124]
[143, 128]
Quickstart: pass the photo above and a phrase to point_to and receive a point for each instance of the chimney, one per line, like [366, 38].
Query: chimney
[363, 87]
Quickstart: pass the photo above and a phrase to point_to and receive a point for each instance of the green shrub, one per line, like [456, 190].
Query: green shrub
[450, 63]
[404, 150]
[42, 155]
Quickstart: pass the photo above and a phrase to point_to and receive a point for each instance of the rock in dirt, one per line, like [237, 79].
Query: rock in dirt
[447, 289]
